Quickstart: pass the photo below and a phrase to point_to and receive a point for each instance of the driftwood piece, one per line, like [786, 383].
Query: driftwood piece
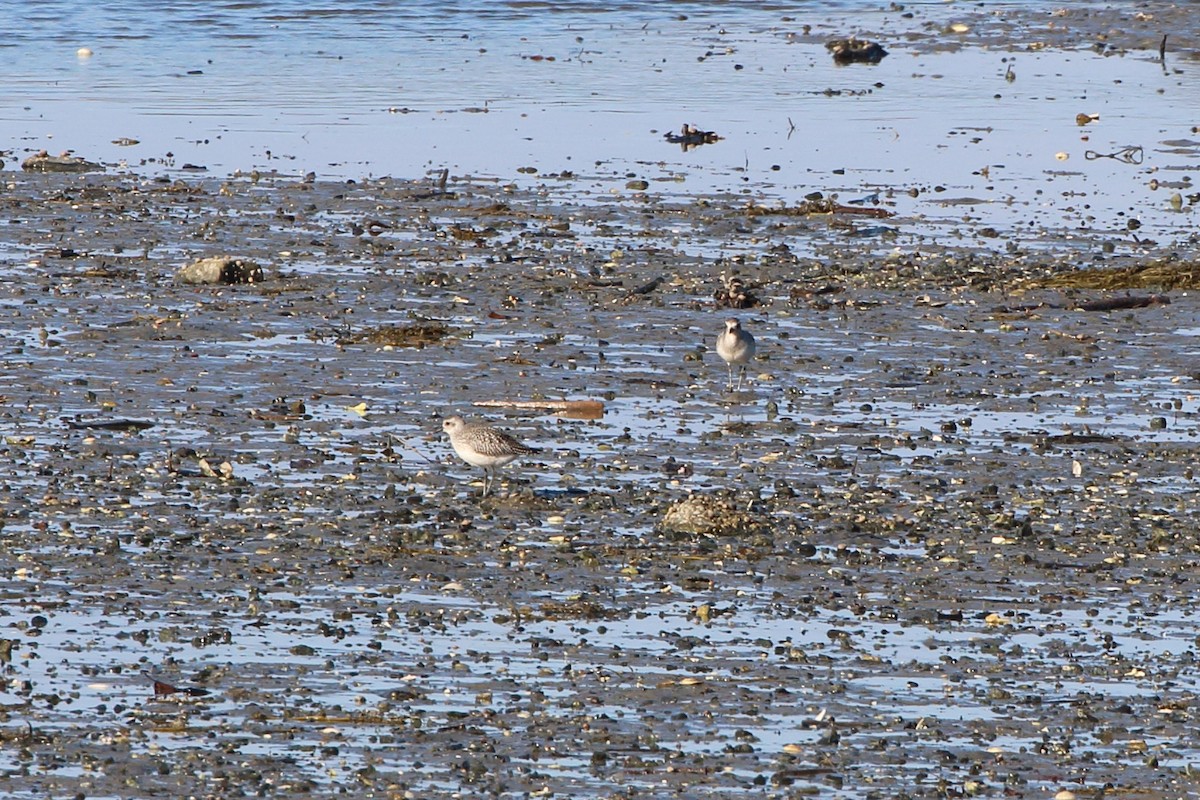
[1106, 304]
[648, 286]
[577, 409]
[1121, 303]
[129, 425]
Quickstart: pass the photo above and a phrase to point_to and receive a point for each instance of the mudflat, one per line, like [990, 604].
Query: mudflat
[940, 542]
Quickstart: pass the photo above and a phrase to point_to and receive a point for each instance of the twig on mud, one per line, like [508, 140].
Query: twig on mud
[404, 445]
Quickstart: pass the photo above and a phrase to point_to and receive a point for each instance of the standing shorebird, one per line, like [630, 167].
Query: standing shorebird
[484, 446]
[736, 346]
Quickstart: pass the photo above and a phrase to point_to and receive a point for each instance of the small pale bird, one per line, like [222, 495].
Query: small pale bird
[736, 346]
[484, 446]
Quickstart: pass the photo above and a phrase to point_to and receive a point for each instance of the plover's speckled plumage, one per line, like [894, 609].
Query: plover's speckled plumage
[736, 346]
[483, 446]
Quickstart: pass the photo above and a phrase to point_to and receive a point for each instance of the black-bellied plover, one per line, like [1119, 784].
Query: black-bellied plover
[484, 446]
[736, 346]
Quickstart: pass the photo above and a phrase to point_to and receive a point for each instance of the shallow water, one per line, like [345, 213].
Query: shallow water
[372, 89]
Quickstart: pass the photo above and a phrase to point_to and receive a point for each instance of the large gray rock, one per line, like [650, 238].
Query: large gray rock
[221, 269]
[44, 162]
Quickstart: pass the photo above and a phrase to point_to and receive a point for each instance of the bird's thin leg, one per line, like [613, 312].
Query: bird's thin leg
[486, 475]
[729, 385]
